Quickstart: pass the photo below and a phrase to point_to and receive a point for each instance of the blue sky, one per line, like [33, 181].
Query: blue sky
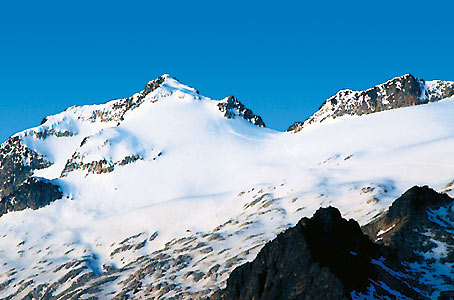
[282, 59]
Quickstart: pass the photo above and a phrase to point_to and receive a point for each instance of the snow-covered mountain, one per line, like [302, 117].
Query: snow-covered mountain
[395, 93]
[164, 193]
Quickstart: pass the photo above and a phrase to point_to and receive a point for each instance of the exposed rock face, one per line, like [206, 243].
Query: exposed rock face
[96, 167]
[410, 210]
[398, 92]
[286, 269]
[33, 193]
[324, 257]
[328, 257]
[18, 190]
[419, 229]
[232, 108]
[436, 90]
[45, 133]
[16, 164]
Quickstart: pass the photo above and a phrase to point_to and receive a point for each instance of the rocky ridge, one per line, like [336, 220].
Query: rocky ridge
[329, 257]
[232, 108]
[395, 93]
[419, 228]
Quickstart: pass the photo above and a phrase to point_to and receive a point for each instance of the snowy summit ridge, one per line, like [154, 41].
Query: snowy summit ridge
[160, 88]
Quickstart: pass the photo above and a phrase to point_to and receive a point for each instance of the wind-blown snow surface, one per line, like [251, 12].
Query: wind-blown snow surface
[174, 167]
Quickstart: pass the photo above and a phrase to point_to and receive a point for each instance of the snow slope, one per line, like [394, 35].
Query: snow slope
[164, 195]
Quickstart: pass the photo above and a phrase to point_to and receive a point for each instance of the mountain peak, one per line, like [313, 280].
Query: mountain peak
[402, 91]
[231, 108]
[164, 88]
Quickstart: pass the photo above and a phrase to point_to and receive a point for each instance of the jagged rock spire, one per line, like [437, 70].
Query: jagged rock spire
[232, 108]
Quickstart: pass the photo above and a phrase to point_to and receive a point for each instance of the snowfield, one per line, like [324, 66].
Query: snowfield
[173, 177]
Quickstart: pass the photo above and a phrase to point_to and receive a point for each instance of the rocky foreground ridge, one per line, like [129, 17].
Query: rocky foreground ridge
[395, 93]
[408, 253]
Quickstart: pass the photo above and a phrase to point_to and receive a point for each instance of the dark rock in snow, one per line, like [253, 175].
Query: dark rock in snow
[408, 212]
[418, 228]
[33, 193]
[317, 259]
[17, 163]
[232, 108]
[328, 257]
[18, 189]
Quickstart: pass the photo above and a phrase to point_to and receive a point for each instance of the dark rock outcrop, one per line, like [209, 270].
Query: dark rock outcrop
[44, 133]
[328, 257]
[419, 228]
[406, 217]
[324, 257]
[16, 164]
[33, 193]
[18, 189]
[232, 108]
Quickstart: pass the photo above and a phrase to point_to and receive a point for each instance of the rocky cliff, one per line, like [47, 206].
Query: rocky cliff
[328, 257]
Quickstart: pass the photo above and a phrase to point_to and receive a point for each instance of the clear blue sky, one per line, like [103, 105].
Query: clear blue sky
[282, 59]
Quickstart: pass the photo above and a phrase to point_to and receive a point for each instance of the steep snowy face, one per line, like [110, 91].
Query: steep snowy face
[398, 92]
